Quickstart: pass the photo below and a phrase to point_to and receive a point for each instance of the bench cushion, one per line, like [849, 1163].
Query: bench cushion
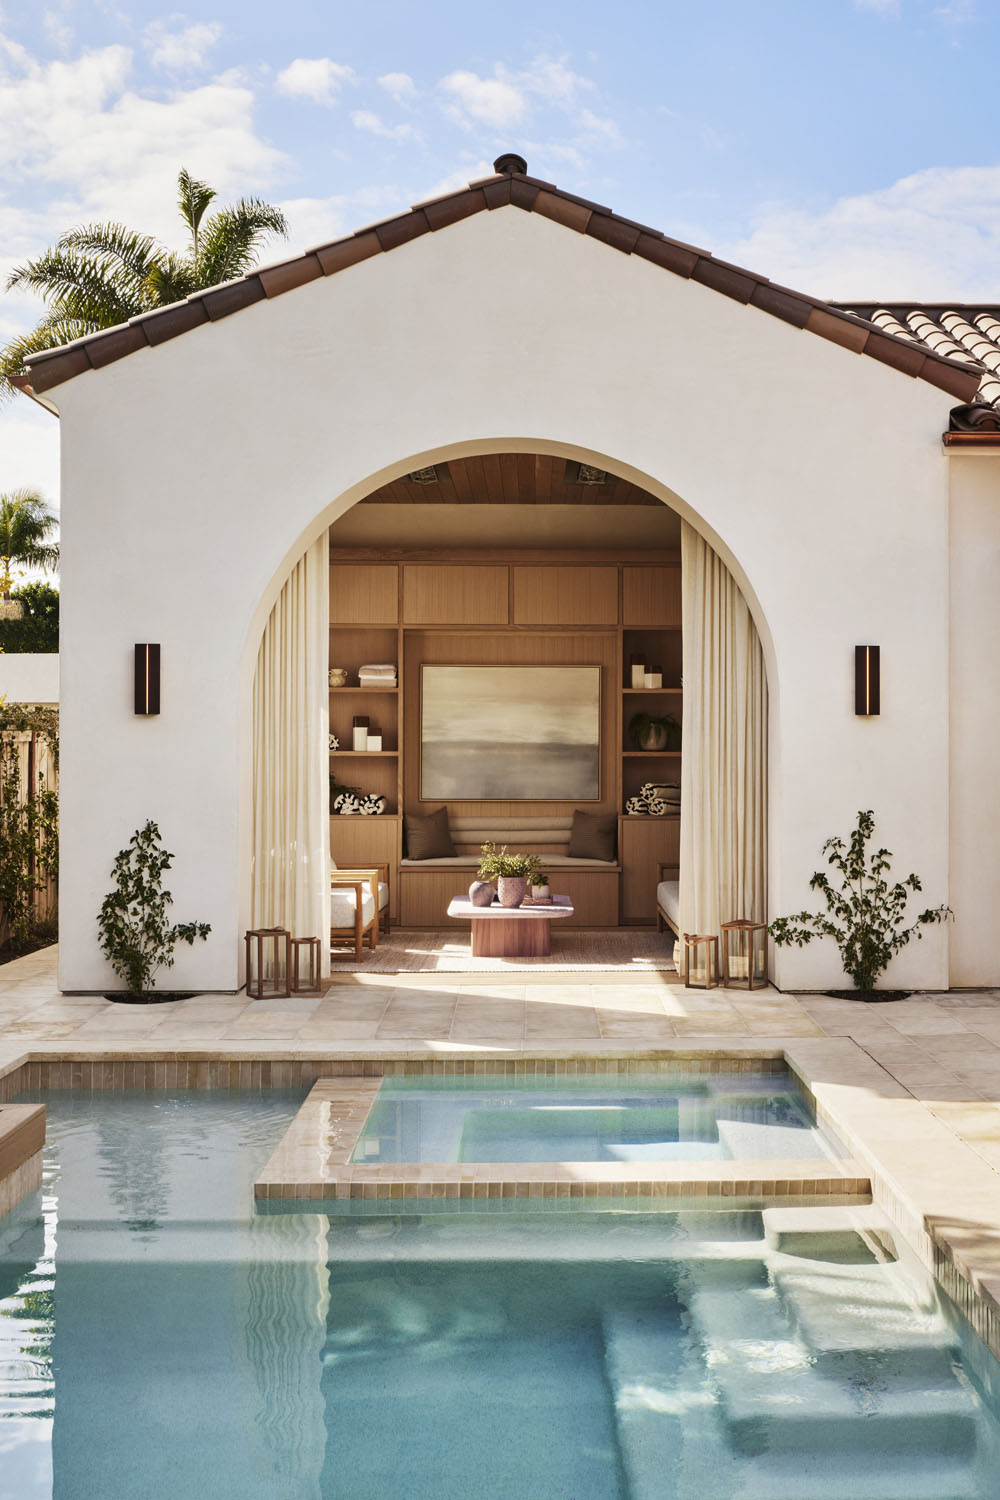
[342, 905]
[668, 899]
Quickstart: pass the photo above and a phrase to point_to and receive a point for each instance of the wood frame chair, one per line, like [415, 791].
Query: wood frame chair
[356, 881]
[664, 872]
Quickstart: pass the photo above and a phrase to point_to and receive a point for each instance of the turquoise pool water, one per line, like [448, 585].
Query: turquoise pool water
[701, 1117]
[160, 1342]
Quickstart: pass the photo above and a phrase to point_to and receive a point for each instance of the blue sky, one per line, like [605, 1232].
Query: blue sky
[843, 146]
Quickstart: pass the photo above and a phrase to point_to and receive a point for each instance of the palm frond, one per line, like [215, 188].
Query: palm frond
[82, 286]
[25, 524]
[132, 252]
[53, 331]
[172, 280]
[231, 239]
[193, 199]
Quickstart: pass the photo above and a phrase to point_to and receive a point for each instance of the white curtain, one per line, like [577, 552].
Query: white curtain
[291, 800]
[724, 766]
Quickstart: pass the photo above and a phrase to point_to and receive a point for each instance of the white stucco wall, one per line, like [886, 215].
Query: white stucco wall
[29, 676]
[975, 716]
[194, 474]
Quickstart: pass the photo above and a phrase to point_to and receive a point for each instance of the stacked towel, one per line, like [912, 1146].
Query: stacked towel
[655, 800]
[377, 674]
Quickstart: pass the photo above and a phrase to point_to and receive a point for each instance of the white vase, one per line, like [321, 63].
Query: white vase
[511, 889]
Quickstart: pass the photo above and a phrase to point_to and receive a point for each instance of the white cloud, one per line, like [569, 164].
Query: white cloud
[184, 51]
[930, 236]
[399, 86]
[57, 28]
[316, 78]
[490, 101]
[596, 125]
[29, 452]
[76, 131]
[366, 119]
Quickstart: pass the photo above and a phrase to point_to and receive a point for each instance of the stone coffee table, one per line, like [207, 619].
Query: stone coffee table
[511, 931]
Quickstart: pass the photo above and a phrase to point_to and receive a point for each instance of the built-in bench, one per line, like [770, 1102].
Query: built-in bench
[427, 885]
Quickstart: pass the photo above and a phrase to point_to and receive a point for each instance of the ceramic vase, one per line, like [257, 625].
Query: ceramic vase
[481, 893]
[511, 889]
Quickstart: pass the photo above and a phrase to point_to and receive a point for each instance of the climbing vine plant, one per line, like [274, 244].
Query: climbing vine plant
[29, 829]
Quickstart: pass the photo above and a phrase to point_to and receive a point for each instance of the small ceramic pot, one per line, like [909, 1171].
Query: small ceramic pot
[540, 892]
[511, 889]
[481, 893]
[337, 677]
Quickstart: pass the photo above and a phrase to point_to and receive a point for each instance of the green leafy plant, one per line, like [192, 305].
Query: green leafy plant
[29, 830]
[38, 630]
[498, 864]
[537, 878]
[656, 728]
[864, 913]
[136, 934]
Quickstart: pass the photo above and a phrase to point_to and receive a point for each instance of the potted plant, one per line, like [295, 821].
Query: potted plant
[510, 871]
[654, 732]
[539, 886]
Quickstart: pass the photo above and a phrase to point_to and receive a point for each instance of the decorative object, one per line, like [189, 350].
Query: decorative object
[338, 793]
[593, 836]
[865, 915]
[518, 733]
[481, 893]
[374, 740]
[428, 835]
[510, 871]
[347, 804]
[539, 883]
[701, 960]
[337, 677]
[269, 963]
[867, 681]
[654, 732]
[372, 805]
[305, 966]
[147, 679]
[638, 671]
[744, 954]
[359, 738]
[334, 742]
[136, 935]
[654, 677]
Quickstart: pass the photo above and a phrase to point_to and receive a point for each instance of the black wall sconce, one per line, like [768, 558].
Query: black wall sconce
[867, 681]
[147, 679]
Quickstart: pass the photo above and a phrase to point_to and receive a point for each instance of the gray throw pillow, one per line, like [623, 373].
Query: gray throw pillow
[593, 836]
[428, 836]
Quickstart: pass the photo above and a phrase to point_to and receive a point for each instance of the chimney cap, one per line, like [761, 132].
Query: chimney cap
[509, 163]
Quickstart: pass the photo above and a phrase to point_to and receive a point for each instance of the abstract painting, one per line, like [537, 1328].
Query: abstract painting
[510, 734]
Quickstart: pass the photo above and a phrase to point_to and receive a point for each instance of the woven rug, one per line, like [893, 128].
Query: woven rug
[575, 951]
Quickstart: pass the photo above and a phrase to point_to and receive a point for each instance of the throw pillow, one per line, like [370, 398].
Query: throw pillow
[593, 836]
[428, 836]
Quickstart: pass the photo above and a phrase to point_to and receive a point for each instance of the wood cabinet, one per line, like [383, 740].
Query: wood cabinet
[651, 596]
[436, 594]
[364, 594]
[645, 843]
[566, 595]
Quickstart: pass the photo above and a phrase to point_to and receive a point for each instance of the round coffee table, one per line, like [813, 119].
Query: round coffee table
[511, 931]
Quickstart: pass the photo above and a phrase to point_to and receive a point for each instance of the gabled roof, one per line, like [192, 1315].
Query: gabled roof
[512, 187]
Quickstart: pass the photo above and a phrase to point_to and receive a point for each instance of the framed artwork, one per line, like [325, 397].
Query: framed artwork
[510, 734]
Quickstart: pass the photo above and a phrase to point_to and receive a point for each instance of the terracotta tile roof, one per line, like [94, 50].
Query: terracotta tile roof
[969, 336]
[511, 186]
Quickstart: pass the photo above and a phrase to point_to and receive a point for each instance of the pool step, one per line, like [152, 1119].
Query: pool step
[826, 1232]
[846, 1311]
[645, 1354]
[774, 1397]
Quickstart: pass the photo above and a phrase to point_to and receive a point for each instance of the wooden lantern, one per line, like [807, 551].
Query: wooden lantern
[305, 966]
[701, 960]
[269, 963]
[744, 954]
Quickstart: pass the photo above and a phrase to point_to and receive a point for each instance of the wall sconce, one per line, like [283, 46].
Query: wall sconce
[147, 679]
[867, 681]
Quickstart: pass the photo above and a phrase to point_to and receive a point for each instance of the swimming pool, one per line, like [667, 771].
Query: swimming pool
[655, 1117]
[159, 1340]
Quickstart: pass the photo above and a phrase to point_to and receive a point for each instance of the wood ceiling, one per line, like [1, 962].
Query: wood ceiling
[510, 479]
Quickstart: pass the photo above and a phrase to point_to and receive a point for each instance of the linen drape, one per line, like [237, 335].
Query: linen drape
[723, 864]
[291, 800]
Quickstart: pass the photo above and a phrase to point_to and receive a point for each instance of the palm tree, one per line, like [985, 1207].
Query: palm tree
[100, 275]
[26, 527]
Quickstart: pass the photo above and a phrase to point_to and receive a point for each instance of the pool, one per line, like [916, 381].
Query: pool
[654, 1117]
[160, 1342]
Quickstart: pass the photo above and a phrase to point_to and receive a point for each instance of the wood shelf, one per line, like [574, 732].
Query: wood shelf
[364, 690]
[649, 818]
[651, 754]
[364, 754]
[650, 692]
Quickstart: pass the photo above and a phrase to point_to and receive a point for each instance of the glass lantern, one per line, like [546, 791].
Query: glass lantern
[269, 963]
[701, 961]
[744, 954]
[305, 966]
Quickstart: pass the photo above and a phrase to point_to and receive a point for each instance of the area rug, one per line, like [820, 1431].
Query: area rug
[448, 952]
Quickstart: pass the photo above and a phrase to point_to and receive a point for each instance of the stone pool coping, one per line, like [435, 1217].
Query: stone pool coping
[937, 1190]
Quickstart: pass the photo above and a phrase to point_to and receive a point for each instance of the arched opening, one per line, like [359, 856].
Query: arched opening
[519, 561]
